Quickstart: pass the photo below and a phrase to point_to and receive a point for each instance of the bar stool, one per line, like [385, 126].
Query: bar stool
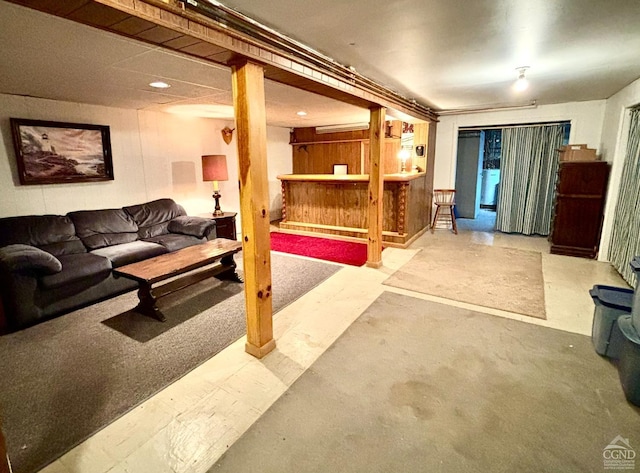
[444, 199]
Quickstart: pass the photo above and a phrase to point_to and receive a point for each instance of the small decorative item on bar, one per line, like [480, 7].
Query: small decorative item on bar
[214, 168]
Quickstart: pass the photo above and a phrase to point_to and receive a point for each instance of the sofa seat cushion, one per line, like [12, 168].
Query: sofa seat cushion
[28, 258]
[100, 228]
[128, 253]
[153, 217]
[174, 241]
[76, 268]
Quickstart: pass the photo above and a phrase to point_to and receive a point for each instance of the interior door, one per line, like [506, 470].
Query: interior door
[469, 173]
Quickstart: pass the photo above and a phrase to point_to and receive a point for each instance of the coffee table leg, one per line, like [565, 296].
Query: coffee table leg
[230, 274]
[147, 305]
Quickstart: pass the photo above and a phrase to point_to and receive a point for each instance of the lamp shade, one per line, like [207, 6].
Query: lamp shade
[214, 168]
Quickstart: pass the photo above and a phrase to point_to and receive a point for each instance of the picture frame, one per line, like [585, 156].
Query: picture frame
[49, 152]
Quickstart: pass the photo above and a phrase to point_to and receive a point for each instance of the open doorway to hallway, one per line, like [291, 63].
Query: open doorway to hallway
[520, 160]
[478, 177]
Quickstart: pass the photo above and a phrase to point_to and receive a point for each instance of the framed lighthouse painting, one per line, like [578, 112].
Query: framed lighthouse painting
[57, 152]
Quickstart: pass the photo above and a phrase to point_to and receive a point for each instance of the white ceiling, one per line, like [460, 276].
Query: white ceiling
[50, 57]
[463, 53]
[447, 53]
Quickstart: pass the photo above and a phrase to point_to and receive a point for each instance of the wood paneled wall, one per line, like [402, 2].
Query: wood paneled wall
[309, 135]
[338, 204]
[421, 137]
[319, 158]
[339, 207]
[315, 153]
[431, 162]
[390, 163]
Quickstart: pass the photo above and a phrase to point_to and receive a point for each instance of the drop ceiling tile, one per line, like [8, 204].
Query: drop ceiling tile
[159, 34]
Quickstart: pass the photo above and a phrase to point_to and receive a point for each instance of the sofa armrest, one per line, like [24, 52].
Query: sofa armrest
[194, 226]
[20, 258]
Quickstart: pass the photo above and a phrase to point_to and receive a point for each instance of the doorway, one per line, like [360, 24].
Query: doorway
[486, 156]
[478, 175]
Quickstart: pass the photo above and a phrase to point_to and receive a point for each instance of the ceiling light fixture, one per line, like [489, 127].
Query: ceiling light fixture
[522, 83]
[302, 113]
[159, 85]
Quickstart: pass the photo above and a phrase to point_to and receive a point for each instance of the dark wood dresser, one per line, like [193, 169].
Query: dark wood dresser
[579, 208]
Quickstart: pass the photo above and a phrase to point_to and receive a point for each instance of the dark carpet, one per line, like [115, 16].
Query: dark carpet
[346, 252]
[65, 379]
[416, 386]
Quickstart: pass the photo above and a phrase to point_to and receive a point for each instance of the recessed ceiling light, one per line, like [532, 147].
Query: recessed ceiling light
[159, 85]
[302, 113]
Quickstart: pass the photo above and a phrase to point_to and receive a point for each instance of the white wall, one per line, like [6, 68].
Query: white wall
[155, 155]
[586, 128]
[280, 162]
[615, 130]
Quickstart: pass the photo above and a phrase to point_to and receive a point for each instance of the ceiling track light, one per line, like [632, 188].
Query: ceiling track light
[521, 83]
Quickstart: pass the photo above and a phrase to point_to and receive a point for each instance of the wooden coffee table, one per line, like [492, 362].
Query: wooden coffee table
[176, 265]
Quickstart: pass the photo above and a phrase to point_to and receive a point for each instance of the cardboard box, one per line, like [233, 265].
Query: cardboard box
[577, 153]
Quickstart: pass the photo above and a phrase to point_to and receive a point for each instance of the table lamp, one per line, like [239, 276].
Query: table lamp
[403, 156]
[214, 168]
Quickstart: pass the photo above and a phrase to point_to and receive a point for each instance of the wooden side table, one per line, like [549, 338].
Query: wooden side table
[225, 224]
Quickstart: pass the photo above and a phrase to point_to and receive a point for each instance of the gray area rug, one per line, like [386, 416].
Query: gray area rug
[416, 386]
[502, 278]
[65, 379]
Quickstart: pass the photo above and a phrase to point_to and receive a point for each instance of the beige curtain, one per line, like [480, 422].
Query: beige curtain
[625, 236]
[528, 170]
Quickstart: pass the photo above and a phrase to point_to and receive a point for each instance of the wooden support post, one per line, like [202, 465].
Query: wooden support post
[431, 165]
[251, 129]
[376, 186]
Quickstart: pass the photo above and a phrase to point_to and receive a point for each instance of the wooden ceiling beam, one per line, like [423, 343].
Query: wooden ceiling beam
[178, 26]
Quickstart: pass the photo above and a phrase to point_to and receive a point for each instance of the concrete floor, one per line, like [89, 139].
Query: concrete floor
[187, 426]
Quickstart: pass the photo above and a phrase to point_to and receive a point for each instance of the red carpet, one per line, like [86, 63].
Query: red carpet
[345, 252]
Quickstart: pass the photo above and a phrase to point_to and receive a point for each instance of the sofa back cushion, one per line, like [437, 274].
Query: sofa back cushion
[55, 234]
[153, 217]
[100, 228]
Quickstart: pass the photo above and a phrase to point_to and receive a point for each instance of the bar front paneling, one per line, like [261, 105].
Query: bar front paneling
[337, 205]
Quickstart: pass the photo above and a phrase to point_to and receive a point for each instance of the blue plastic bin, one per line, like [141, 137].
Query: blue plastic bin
[629, 363]
[611, 302]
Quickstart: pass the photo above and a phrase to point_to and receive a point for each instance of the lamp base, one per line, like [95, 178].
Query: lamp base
[217, 212]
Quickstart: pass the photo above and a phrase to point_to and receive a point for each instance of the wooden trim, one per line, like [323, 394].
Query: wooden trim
[430, 170]
[402, 206]
[251, 132]
[399, 177]
[416, 236]
[376, 186]
[389, 239]
[307, 143]
[362, 231]
[283, 187]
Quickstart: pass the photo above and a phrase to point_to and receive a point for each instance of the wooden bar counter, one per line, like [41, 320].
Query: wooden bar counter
[337, 205]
